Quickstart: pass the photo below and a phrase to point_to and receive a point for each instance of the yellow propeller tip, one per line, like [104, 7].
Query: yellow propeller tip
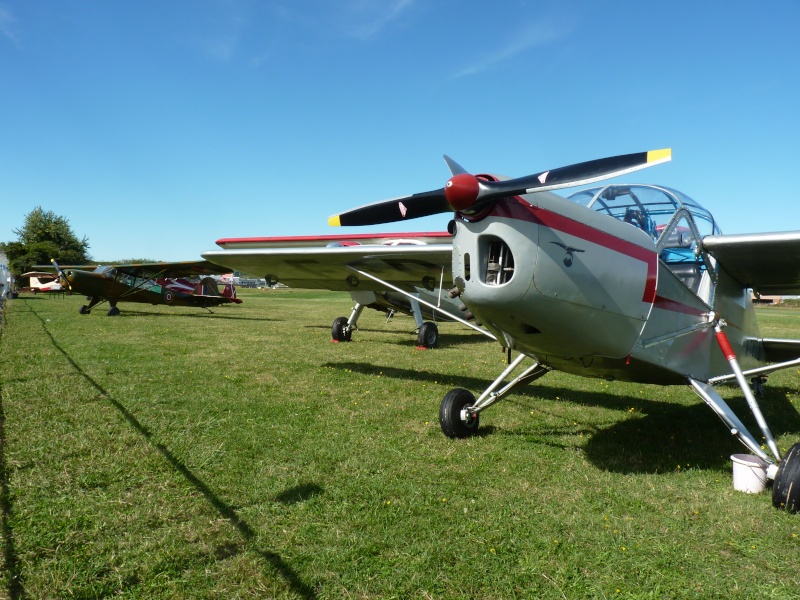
[334, 221]
[662, 155]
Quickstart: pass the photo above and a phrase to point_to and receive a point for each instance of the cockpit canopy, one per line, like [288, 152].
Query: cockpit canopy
[649, 207]
[109, 272]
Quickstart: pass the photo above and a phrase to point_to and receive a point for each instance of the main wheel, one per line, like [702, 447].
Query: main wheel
[428, 335]
[786, 487]
[453, 425]
[84, 310]
[113, 311]
[340, 332]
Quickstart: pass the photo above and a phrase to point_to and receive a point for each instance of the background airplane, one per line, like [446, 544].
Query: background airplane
[622, 282]
[324, 262]
[42, 282]
[148, 283]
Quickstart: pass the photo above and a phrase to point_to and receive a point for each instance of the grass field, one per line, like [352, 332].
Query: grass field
[172, 453]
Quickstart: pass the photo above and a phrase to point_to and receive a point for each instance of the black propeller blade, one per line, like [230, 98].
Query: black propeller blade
[466, 192]
[414, 206]
[61, 274]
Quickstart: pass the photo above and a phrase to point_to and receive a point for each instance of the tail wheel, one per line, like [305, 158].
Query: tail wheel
[340, 332]
[428, 335]
[786, 487]
[455, 421]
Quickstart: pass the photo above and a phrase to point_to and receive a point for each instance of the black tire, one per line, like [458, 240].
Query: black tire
[428, 335]
[340, 332]
[786, 487]
[84, 310]
[450, 414]
[113, 311]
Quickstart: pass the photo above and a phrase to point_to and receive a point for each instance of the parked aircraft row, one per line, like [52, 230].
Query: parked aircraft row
[620, 282]
[146, 283]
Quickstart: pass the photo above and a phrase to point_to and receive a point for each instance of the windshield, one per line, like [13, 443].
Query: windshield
[109, 272]
[649, 207]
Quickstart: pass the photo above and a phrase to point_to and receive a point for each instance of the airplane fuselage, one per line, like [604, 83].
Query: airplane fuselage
[589, 294]
[118, 288]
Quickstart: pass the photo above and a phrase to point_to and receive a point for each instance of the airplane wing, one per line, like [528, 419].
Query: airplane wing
[779, 350]
[767, 262]
[331, 268]
[366, 239]
[171, 270]
[168, 270]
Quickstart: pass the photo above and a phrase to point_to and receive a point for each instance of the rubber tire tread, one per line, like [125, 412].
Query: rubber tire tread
[428, 335]
[786, 487]
[450, 414]
[339, 331]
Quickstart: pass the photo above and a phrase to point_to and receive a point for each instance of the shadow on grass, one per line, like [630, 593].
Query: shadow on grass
[33, 297]
[11, 570]
[470, 383]
[272, 558]
[456, 339]
[651, 436]
[410, 335]
[358, 330]
[662, 435]
[299, 493]
[193, 315]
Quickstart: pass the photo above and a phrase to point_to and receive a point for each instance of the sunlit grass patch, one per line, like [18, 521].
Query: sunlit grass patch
[171, 453]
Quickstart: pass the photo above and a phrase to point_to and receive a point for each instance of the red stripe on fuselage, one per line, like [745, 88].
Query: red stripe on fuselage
[672, 305]
[541, 216]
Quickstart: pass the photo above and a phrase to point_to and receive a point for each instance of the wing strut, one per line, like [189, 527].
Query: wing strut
[760, 371]
[724, 412]
[729, 354]
[420, 300]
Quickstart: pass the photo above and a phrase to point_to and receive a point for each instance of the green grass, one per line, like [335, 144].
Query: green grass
[172, 453]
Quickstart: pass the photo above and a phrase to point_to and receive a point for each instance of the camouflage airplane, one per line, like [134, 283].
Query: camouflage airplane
[148, 283]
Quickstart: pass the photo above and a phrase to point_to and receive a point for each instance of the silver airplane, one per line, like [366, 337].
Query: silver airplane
[620, 282]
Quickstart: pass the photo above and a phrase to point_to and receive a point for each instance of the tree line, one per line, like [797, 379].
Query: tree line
[43, 236]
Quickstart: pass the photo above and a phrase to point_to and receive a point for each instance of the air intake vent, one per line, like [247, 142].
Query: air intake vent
[500, 263]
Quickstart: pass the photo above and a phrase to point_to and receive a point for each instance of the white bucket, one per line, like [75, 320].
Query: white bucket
[749, 473]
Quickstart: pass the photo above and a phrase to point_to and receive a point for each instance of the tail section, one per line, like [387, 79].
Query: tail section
[229, 291]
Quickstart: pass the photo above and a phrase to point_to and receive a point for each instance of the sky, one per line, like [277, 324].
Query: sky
[156, 128]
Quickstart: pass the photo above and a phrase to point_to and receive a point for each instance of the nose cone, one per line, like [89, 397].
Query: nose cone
[461, 191]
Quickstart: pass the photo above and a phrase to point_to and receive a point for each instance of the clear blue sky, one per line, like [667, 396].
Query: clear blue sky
[157, 128]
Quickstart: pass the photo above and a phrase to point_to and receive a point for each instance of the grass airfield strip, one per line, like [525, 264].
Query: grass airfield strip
[171, 453]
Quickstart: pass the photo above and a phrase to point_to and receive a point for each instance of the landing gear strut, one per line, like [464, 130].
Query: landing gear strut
[342, 328]
[87, 308]
[459, 411]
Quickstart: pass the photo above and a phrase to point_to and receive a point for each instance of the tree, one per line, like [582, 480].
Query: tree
[44, 235]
